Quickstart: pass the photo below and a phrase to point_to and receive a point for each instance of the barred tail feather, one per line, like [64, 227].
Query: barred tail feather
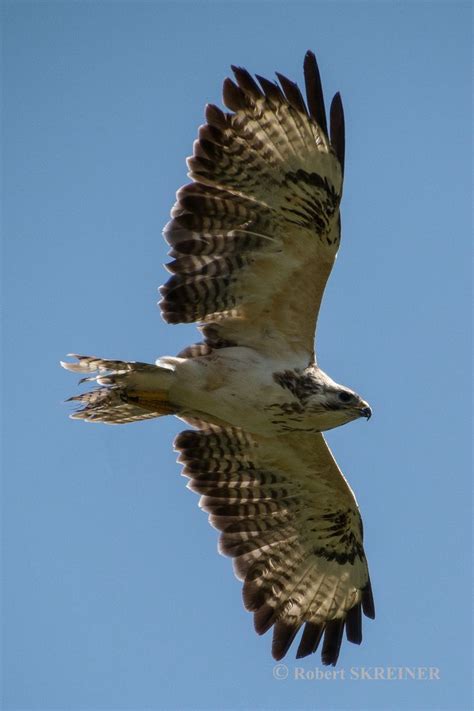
[127, 392]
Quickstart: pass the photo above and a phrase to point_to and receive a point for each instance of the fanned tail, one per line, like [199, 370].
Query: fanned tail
[128, 392]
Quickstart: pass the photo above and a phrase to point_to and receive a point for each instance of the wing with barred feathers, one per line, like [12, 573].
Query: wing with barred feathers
[254, 237]
[290, 521]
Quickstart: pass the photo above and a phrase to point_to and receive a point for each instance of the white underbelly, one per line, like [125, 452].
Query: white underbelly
[234, 386]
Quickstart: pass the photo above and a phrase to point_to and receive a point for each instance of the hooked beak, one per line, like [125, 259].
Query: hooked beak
[364, 410]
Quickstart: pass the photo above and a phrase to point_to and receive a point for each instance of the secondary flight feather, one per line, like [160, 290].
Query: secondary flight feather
[253, 239]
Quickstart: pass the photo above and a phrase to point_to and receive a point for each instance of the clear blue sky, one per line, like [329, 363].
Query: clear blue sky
[114, 594]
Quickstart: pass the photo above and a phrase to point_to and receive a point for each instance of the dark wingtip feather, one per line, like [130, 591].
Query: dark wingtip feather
[292, 93]
[246, 82]
[253, 596]
[336, 121]
[310, 639]
[314, 90]
[368, 605]
[283, 636]
[271, 89]
[233, 96]
[215, 116]
[332, 642]
[354, 625]
[264, 618]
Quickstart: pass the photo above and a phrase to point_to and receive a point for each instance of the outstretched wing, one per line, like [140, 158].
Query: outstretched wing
[292, 525]
[254, 237]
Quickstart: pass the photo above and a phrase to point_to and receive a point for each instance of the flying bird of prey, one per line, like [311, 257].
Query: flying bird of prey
[253, 239]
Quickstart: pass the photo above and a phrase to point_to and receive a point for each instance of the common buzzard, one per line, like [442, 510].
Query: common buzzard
[253, 239]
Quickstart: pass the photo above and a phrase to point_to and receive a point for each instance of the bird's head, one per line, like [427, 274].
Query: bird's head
[334, 403]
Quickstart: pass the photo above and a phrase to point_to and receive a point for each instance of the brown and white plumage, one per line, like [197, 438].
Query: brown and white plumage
[253, 240]
[290, 521]
[255, 236]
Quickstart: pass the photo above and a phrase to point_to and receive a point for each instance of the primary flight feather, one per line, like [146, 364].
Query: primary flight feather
[253, 239]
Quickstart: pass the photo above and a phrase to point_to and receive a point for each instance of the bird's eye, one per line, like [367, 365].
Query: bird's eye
[345, 397]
